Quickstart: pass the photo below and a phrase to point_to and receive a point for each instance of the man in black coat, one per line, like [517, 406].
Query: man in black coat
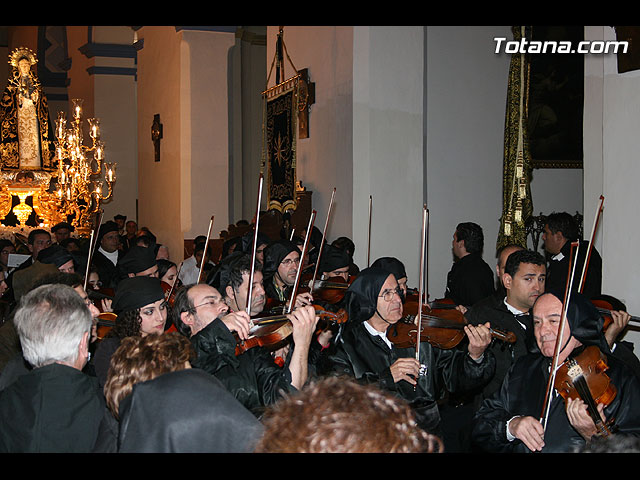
[515, 419]
[365, 350]
[55, 407]
[560, 231]
[106, 257]
[470, 278]
[252, 376]
[523, 281]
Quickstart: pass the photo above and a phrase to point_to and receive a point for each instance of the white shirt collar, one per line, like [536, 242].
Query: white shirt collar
[515, 312]
[374, 332]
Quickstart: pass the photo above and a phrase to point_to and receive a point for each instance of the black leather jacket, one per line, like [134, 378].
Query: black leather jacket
[253, 377]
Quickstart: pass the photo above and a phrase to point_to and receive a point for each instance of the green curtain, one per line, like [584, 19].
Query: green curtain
[517, 205]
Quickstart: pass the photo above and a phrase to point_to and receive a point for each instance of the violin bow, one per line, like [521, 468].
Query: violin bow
[425, 214]
[93, 240]
[596, 221]
[305, 247]
[561, 329]
[204, 252]
[175, 281]
[324, 236]
[369, 233]
[255, 247]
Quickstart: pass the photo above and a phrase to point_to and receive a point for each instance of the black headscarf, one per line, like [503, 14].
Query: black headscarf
[136, 260]
[392, 265]
[585, 322]
[333, 258]
[361, 298]
[188, 411]
[274, 253]
[136, 292]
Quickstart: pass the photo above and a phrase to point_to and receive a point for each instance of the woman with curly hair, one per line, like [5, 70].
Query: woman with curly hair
[141, 310]
[339, 415]
[139, 359]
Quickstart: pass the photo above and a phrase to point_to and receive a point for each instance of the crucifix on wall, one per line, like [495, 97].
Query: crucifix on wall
[156, 136]
[306, 98]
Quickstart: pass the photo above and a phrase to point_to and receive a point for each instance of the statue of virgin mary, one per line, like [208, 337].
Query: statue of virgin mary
[25, 130]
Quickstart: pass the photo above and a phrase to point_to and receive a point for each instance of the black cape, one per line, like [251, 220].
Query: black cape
[188, 411]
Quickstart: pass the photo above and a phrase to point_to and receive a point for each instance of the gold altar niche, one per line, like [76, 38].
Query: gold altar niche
[82, 171]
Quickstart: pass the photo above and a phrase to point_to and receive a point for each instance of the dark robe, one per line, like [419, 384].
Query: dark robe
[54, 408]
[522, 393]
[187, 411]
[469, 280]
[524, 387]
[558, 270]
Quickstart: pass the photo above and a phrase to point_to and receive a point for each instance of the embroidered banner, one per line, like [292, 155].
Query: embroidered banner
[280, 132]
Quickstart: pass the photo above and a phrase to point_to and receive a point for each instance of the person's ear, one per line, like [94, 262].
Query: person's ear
[187, 318]
[507, 280]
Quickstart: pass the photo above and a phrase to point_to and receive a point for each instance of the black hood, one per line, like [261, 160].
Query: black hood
[274, 253]
[361, 298]
[584, 320]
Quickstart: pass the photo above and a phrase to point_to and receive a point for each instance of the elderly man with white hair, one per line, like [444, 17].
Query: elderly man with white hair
[55, 407]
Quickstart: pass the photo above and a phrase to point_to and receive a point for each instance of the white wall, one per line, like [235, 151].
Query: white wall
[613, 100]
[466, 87]
[325, 158]
[388, 143]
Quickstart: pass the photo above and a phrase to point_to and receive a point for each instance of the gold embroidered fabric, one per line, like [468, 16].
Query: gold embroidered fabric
[517, 204]
[280, 133]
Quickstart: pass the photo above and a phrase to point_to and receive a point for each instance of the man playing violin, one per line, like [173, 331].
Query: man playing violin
[512, 419]
[365, 351]
[281, 264]
[200, 313]
[233, 279]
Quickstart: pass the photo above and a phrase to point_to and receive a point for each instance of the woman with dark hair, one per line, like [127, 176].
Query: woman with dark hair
[167, 272]
[141, 310]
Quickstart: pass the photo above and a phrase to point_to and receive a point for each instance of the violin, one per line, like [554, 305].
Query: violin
[106, 321]
[169, 292]
[442, 328]
[331, 290]
[100, 294]
[272, 332]
[605, 308]
[584, 377]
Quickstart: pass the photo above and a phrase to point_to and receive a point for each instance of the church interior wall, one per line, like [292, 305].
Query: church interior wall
[620, 143]
[161, 187]
[364, 77]
[325, 158]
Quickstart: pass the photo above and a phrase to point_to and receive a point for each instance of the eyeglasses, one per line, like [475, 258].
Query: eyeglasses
[211, 303]
[387, 295]
[288, 261]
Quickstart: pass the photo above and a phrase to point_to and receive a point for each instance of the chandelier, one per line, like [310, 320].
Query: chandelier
[82, 171]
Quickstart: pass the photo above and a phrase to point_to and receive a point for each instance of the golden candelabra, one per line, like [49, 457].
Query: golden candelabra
[80, 185]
